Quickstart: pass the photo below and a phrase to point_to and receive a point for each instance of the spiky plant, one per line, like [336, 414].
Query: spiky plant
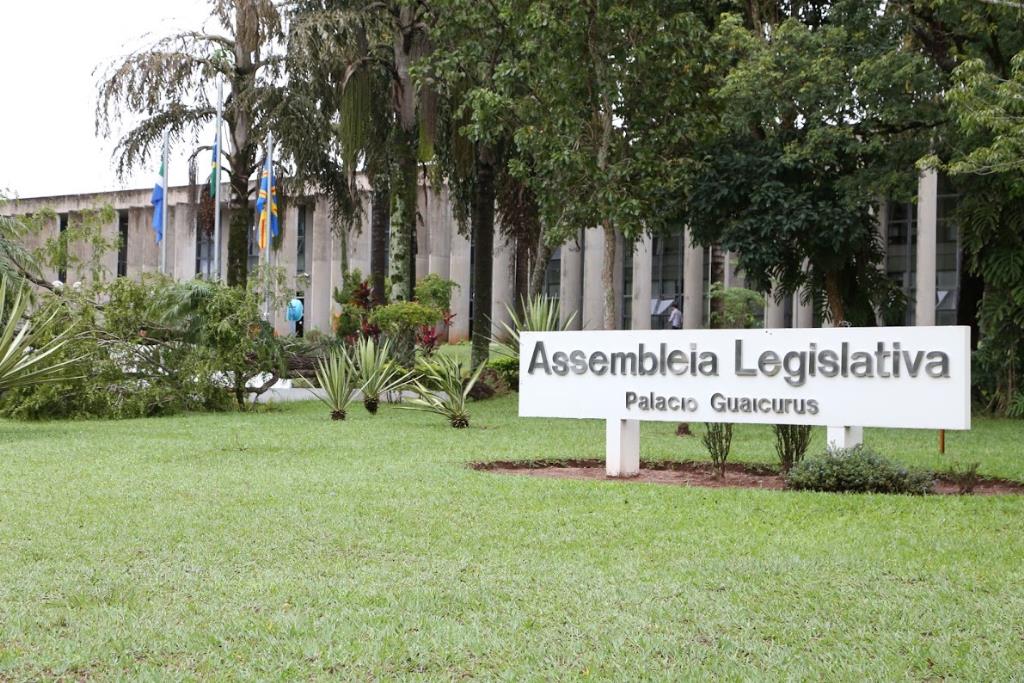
[337, 378]
[376, 372]
[442, 389]
[26, 359]
[540, 314]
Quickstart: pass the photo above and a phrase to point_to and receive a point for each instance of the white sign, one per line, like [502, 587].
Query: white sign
[915, 377]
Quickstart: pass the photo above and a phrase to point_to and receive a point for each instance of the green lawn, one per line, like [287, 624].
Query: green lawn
[280, 544]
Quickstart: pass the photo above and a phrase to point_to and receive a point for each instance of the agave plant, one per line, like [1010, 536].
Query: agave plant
[442, 389]
[376, 372]
[336, 377]
[24, 358]
[540, 314]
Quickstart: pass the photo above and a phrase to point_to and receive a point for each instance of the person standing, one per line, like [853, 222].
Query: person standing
[675, 317]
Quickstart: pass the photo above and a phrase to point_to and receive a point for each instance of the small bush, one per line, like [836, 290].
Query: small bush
[791, 442]
[718, 441]
[858, 470]
[442, 389]
[507, 369]
[401, 322]
[435, 291]
[965, 476]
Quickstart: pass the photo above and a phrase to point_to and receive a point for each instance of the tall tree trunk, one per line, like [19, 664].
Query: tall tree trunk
[380, 219]
[717, 274]
[540, 267]
[482, 225]
[238, 232]
[611, 321]
[403, 222]
[521, 286]
[834, 298]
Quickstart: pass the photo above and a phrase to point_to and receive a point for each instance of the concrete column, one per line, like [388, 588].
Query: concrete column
[843, 437]
[927, 220]
[285, 259]
[318, 298]
[502, 285]
[774, 312]
[593, 290]
[622, 448]
[425, 199]
[439, 222]
[803, 313]
[570, 288]
[359, 242]
[181, 247]
[693, 284]
[143, 251]
[459, 270]
[642, 271]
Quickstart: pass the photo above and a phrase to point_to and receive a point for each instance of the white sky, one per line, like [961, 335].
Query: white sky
[48, 51]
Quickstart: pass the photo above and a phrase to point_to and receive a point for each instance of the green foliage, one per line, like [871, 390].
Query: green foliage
[540, 314]
[791, 442]
[376, 373]
[857, 470]
[435, 291]
[154, 347]
[964, 475]
[718, 442]
[443, 390]
[399, 322]
[507, 369]
[740, 307]
[337, 378]
[27, 357]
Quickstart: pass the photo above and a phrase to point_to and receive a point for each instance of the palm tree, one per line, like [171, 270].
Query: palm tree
[169, 86]
[383, 121]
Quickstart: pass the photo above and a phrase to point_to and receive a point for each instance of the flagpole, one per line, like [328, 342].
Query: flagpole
[216, 171]
[163, 208]
[268, 206]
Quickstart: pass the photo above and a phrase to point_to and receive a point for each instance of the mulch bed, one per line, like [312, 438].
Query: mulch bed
[692, 473]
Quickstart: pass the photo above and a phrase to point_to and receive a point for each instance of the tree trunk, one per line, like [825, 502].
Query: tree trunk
[540, 267]
[403, 223]
[482, 225]
[521, 288]
[717, 274]
[834, 295]
[611, 321]
[238, 232]
[380, 219]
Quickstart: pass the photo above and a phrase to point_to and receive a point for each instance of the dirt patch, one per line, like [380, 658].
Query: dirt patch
[693, 473]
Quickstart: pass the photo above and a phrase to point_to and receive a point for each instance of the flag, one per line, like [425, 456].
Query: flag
[266, 205]
[215, 162]
[157, 200]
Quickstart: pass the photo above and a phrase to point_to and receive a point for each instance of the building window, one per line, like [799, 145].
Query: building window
[62, 267]
[901, 252]
[553, 275]
[666, 277]
[947, 256]
[204, 253]
[626, 307]
[122, 243]
[300, 242]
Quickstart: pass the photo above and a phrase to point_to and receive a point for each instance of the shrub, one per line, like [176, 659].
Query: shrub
[336, 377]
[400, 322]
[540, 314]
[791, 442]
[859, 470]
[376, 372]
[435, 291]
[718, 441]
[964, 475]
[740, 307]
[507, 369]
[442, 389]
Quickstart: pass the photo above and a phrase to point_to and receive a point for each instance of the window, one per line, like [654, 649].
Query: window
[204, 253]
[666, 277]
[122, 243]
[901, 243]
[62, 269]
[553, 275]
[300, 242]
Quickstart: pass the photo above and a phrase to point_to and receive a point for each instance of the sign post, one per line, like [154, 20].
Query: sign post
[844, 379]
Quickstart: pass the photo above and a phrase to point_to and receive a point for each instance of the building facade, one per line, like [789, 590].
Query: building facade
[923, 256]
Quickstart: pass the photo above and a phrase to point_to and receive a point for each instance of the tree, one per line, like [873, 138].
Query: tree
[823, 110]
[613, 94]
[169, 84]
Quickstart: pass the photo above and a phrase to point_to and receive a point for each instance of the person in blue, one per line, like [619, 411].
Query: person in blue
[294, 313]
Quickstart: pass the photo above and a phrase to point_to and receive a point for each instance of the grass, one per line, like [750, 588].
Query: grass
[284, 545]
